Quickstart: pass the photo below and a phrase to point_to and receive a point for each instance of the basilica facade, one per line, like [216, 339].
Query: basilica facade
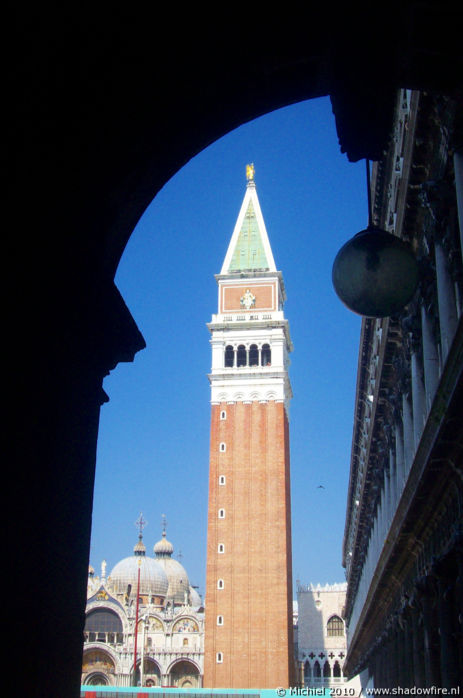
[144, 623]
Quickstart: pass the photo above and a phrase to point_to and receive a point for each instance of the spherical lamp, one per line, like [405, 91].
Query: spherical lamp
[375, 274]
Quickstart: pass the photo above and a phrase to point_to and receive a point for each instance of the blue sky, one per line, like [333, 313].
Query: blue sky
[154, 432]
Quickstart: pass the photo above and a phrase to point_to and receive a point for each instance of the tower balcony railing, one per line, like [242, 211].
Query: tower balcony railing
[248, 317]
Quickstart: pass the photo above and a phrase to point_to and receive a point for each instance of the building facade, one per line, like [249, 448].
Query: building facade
[248, 634]
[322, 640]
[168, 647]
[403, 534]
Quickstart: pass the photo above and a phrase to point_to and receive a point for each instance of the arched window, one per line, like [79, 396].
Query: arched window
[220, 584]
[221, 513]
[219, 657]
[241, 356]
[307, 670]
[266, 355]
[103, 625]
[104, 620]
[221, 548]
[253, 355]
[219, 620]
[221, 479]
[223, 415]
[326, 670]
[222, 447]
[337, 670]
[317, 672]
[335, 627]
[229, 356]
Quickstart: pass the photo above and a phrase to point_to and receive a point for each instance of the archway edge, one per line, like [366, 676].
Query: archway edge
[109, 106]
[120, 108]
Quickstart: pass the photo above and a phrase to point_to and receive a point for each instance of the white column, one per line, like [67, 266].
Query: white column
[277, 347]
[446, 300]
[383, 513]
[400, 460]
[418, 398]
[393, 484]
[409, 437]
[430, 358]
[218, 353]
[387, 499]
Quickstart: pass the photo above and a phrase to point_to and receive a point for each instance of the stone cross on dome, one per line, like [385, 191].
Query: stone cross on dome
[140, 523]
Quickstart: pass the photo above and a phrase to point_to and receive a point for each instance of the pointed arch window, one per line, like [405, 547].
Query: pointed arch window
[326, 670]
[337, 670]
[266, 355]
[335, 627]
[317, 672]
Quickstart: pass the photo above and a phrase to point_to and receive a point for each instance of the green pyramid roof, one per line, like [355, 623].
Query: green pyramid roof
[249, 248]
[249, 253]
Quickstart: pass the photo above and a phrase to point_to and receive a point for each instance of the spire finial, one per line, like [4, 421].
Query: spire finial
[250, 171]
[164, 524]
[140, 523]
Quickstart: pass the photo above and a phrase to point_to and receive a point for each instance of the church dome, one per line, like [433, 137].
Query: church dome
[179, 584]
[163, 547]
[153, 579]
[195, 598]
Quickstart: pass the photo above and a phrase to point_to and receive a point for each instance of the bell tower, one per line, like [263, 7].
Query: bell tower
[249, 630]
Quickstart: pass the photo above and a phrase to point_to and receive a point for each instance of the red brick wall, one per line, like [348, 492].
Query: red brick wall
[256, 602]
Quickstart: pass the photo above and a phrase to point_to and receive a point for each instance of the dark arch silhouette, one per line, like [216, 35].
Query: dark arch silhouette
[107, 112]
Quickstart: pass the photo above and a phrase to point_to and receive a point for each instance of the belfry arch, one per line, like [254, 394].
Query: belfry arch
[107, 114]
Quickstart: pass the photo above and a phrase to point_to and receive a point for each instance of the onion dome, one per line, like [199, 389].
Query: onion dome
[179, 585]
[163, 548]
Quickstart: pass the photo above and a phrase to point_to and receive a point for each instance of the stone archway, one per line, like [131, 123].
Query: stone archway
[97, 680]
[105, 119]
[98, 667]
[185, 674]
[151, 673]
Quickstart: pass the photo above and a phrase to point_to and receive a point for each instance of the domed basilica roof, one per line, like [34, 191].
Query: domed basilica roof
[153, 579]
[179, 584]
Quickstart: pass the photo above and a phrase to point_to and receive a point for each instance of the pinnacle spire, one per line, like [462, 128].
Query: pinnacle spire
[249, 248]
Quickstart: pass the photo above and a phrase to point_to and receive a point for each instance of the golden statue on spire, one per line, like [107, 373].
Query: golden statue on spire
[250, 172]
